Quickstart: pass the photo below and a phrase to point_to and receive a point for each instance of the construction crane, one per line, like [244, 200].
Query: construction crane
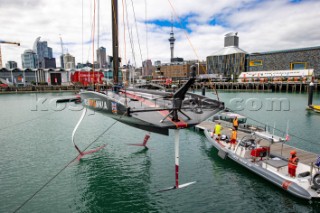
[61, 43]
[61, 57]
[6, 42]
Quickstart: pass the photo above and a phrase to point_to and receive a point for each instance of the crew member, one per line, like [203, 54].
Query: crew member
[293, 163]
[235, 123]
[217, 131]
[233, 140]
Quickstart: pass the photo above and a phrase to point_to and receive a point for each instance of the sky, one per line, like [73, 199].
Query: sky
[199, 27]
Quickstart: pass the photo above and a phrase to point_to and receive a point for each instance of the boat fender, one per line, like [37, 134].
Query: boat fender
[222, 154]
[316, 180]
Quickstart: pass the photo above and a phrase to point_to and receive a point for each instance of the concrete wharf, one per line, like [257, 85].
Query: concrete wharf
[277, 149]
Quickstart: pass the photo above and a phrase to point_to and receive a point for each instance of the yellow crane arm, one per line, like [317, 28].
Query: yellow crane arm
[9, 42]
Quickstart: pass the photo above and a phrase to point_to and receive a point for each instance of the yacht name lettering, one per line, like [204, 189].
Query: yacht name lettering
[98, 104]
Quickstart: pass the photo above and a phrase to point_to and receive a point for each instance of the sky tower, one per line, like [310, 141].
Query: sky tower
[172, 40]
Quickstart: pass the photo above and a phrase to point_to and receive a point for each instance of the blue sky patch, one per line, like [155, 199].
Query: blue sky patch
[181, 23]
[295, 1]
[216, 21]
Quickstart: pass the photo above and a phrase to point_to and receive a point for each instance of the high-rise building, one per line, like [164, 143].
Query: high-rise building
[61, 61]
[102, 57]
[68, 61]
[11, 65]
[109, 59]
[29, 59]
[48, 63]
[50, 52]
[157, 63]
[147, 67]
[43, 51]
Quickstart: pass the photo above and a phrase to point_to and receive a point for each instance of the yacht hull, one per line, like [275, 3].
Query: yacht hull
[149, 110]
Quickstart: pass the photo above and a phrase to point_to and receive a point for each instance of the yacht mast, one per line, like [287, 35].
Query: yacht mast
[115, 42]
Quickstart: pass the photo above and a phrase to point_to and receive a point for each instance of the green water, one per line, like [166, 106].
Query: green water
[36, 145]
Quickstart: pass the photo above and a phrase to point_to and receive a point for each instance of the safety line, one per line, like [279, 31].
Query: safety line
[61, 170]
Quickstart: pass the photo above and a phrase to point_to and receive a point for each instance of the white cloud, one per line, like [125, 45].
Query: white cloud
[262, 26]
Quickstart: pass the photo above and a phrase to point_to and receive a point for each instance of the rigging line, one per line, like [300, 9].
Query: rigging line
[190, 43]
[82, 32]
[104, 132]
[146, 9]
[61, 170]
[135, 21]
[292, 135]
[186, 34]
[98, 19]
[93, 31]
[124, 34]
[89, 46]
[132, 47]
[130, 35]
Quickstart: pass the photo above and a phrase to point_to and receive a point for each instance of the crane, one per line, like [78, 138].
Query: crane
[61, 57]
[6, 42]
[61, 43]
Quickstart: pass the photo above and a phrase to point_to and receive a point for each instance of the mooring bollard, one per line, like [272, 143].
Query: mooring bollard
[310, 97]
[203, 90]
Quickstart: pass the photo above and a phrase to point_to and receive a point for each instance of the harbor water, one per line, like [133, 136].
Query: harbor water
[35, 139]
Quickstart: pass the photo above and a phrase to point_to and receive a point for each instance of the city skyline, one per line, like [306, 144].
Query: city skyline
[262, 26]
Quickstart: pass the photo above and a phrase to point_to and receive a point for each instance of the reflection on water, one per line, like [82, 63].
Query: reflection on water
[116, 184]
[123, 178]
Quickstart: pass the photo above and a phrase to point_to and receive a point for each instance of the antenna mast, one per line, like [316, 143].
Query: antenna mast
[172, 39]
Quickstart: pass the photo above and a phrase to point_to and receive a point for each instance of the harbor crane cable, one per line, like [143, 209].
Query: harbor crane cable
[61, 170]
[306, 140]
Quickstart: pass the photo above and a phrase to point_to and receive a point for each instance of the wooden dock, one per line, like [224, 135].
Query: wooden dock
[277, 149]
[276, 86]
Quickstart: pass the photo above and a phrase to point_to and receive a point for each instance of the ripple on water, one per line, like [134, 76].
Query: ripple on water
[123, 178]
